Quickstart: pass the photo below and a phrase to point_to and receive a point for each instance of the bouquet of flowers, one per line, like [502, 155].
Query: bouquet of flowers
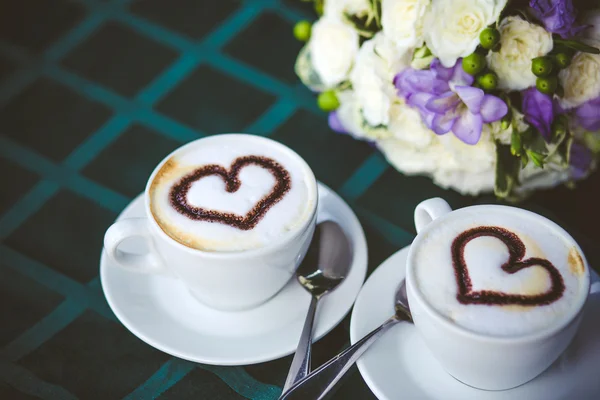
[481, 95]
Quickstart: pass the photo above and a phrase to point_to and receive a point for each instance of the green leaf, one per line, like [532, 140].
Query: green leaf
[560, 156]
[558, 135]
[564, 150]
[367, 23]
[376, 11]
[533, 140]
[524, 160]
[537, 158]
[516, 145]
[422, 52]
[575, 45]
[507, 171]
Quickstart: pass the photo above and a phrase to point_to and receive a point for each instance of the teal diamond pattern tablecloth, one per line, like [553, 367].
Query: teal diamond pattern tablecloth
[92, 95]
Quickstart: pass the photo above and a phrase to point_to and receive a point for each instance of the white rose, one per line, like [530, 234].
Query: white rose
[471, 157]
[411, 147]
[415, 149]
[352, 119]
[453, 27]
[407, 158]
[520, 42]
[402, 21]
[407, 125]
[372, 78]
[593, 19]
[445, 163]
[333, 46]
[581, 79]
[348, 114]
[466, 168]
[466, 182]
[337, 8]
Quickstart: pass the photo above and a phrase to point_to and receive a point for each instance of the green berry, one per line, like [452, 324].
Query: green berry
[474, 63]
[489, 38]
[541, 66]
[506, 121]
[302, 31]
[488, 81]
[319, 6]
[328, 101]
[562, 60]
[546, 85]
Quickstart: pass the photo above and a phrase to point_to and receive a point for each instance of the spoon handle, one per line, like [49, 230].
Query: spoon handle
[317, 384]
[301, 363]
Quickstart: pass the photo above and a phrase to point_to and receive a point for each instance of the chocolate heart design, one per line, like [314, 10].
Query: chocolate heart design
[178, 193]
[515, 263]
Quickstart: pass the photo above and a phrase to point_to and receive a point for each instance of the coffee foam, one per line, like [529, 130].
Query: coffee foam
[484, 257]
[209, 193]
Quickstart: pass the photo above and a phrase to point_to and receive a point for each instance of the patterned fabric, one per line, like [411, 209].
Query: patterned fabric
[92, 95]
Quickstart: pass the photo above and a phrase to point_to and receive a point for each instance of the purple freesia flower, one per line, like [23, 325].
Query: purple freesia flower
[587, 115]
[538, 110]
[558, 16]
[335, 124]
[447, 101]
[580, 160]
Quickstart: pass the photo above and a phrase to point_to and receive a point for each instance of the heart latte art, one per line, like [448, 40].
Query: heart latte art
[179, 192]
[232, 193]
[499, 273]
[515, 263]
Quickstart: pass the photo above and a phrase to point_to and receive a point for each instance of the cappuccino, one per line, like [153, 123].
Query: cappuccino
[499, 274]
[232, 193]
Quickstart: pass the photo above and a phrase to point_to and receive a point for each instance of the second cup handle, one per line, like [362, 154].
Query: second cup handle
[127, 228]
[428, 210]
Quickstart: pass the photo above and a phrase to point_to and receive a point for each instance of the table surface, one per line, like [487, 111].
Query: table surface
[92, 95]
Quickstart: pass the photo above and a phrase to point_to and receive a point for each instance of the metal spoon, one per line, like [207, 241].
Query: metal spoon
[325, 266]
[320, 382]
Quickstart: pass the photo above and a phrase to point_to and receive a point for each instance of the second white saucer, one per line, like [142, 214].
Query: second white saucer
[160, 311]
[399, 365]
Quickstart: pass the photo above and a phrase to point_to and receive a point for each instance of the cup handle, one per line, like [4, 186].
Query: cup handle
[428, 210]
[149, 262]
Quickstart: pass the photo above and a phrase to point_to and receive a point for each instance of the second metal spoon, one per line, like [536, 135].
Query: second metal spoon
[320, 382]
[325, 266]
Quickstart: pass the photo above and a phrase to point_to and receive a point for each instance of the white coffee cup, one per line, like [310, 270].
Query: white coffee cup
[479, 360]
[234, 280]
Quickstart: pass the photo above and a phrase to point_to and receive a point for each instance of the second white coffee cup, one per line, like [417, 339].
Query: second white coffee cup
[487, 361]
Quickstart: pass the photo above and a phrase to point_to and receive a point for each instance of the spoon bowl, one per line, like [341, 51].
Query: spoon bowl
[327, 260]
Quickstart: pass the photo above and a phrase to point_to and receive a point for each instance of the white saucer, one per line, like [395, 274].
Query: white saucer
[400, 366]
[160, 311]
